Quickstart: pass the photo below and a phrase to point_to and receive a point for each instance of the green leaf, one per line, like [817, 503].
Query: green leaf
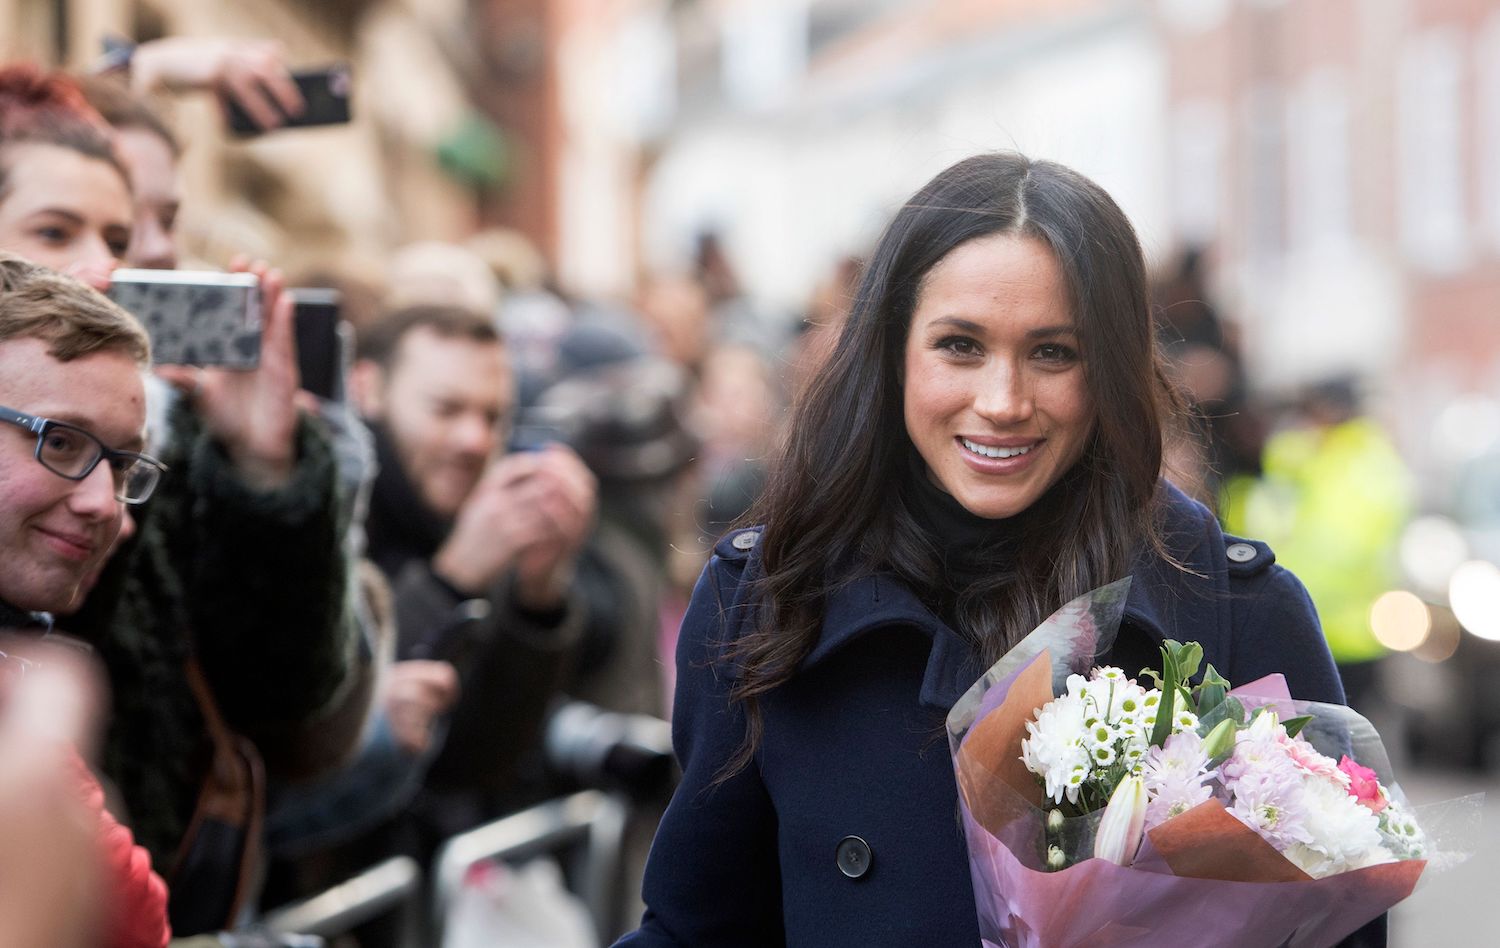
[1211, 693]
[1166, 709]
[1189, 657]
[1295, 725]
[1233, 709]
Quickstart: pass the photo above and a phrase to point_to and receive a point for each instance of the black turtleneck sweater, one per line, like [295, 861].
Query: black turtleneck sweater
[972, 548]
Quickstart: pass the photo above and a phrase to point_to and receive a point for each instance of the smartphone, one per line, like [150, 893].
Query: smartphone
[325, 94]
[537, 427]
[324, 342]
[194, 317]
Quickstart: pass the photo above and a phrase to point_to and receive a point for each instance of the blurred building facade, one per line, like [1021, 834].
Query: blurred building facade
[793, 128]
[1342, 160]
[455, 121]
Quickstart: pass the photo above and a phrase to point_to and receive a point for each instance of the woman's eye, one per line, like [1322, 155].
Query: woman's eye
[1056, 352]
[959, 345]
[53, 235]
[117, 249]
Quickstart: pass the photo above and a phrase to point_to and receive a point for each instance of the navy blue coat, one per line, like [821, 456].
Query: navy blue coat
[854, 745]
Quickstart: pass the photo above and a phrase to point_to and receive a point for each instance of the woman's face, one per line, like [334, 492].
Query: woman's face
[994, 392]
[64, 210]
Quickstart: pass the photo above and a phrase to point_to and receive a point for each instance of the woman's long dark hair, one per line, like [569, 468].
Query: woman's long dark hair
[834, 506]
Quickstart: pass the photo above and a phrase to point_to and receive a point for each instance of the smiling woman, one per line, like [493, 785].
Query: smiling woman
[996, 401]
[65, 200]
[982, 445]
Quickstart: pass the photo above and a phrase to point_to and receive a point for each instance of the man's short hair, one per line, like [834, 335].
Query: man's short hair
[74, 320]
[380, 342]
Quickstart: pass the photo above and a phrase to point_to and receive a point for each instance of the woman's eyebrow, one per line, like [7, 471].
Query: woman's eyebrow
[1062, 329]
[958, 323]
[71, 216]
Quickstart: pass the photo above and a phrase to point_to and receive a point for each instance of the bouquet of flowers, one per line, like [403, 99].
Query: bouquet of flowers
[1107, 810]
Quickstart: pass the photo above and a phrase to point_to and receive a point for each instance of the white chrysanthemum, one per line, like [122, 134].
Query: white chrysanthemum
[1055, 750]
[1076, 685]
[1341, 833]
[1184, 720]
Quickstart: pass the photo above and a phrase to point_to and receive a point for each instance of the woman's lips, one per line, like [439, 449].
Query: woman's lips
[999, 455]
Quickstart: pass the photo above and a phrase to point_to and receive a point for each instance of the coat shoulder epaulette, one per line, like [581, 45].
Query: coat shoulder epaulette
[1247, 557]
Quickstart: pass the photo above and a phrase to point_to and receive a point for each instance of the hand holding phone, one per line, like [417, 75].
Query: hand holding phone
[194, 317]
[324, 342]
[251, 72]
[530, 512]
[252, 414]
[325, 101]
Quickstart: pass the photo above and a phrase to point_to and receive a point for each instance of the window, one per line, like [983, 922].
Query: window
[1319, 211]
[1429, 152]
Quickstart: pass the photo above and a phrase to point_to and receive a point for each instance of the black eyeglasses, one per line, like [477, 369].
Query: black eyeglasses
[69, 451]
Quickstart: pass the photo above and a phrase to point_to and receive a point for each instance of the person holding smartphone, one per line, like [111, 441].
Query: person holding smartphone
[480, 546]
[238, 561]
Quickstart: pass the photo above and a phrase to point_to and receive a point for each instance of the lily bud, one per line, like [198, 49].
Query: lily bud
[1054, 820]
[1220, 741]
[1056, 858]
[1124, 822]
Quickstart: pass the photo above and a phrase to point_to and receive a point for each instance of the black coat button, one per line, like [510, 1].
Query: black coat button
[854, 857]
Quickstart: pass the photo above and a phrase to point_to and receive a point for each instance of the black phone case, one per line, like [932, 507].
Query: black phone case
[326, 94]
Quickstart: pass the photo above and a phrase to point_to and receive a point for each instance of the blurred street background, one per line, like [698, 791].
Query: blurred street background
[1316, 184]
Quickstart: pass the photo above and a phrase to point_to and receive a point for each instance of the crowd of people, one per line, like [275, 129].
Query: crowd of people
[327, 630]
[313, 632]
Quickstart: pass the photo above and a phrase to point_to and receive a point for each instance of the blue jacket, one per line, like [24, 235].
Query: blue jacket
[854, 745]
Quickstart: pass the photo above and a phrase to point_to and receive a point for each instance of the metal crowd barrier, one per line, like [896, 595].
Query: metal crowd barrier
[586, 829]
[390, 886]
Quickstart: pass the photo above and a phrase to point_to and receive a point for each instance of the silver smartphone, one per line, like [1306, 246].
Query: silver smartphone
[194, 317]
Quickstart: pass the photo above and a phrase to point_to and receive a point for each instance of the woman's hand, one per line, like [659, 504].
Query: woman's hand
[253, 414]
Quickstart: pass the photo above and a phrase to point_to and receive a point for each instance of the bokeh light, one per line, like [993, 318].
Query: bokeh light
[1432, 548]
[1474, 594]
[1443, 641]
[1401, 621]
[1468, 427]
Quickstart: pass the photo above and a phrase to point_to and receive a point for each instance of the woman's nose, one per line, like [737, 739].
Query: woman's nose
[1004, 396]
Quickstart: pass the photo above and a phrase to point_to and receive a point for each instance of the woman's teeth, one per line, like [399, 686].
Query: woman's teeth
[995, 452]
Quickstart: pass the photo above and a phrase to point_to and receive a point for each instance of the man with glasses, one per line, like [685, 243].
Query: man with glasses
[74, 407]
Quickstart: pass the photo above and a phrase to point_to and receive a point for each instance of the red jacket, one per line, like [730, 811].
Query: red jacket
[138, 896]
